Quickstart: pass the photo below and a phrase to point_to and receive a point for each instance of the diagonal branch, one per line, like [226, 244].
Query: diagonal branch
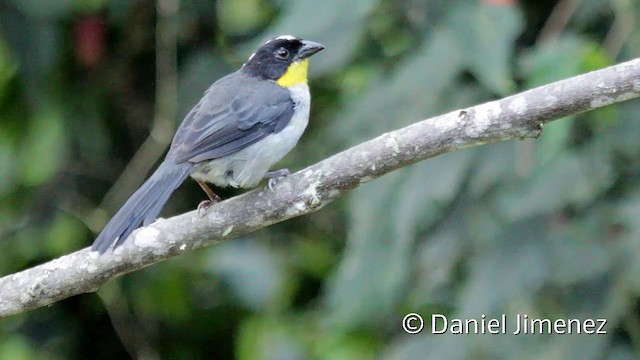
[519, 116]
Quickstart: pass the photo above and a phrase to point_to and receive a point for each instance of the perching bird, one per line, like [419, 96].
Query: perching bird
[245, 123]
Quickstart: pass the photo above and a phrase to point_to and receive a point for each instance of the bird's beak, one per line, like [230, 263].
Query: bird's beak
[309, 48]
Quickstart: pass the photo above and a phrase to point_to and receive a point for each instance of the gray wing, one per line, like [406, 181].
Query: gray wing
[234, 113]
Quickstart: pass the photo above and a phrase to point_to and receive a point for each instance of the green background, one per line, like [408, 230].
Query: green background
[548, 228]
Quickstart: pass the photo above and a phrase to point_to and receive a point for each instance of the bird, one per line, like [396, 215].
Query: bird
[245, 122]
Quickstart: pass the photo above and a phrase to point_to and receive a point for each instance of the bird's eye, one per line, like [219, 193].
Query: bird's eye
[282, 53]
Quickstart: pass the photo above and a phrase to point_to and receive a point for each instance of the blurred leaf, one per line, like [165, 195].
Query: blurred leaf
[117, 11]
[8, 67]
[314, 256]
[486, 34]
[356, 79]
[552, 61]
[16, 347]
[567, 56]
[309, 19]
[44, 9]
[36, 50]
[265, 338]
[590, 11]
[413, 92]
[346, 347]
[627, 214]
[604, 303]
[554, 141]
[44, 148]
[625, 135]
[88, 128]
[495, 165]
[594, 57]
[200, 69]
[175, 304]
[387, 215]
[621, 352]
[241, 16]
[88, 6]
[7, 164]
[254, 274]
[365, 282]
[389, 29]
[585, 239]
[513, 266]
[64, 235]
[436, 265]
[423, 346]
[571, 179]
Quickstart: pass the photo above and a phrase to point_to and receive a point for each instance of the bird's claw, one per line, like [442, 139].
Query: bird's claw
[271, 183]
[274, 176]
[203, 206]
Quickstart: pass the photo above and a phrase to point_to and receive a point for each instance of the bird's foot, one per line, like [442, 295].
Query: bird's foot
[203, 206]
[276, 175]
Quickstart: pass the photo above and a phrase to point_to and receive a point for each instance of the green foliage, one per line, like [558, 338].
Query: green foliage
[43, 149]
[547, 228]
[486, 35]
[238, 17]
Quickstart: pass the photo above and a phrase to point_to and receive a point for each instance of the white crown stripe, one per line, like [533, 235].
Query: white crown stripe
[286, 37]
[283, 37]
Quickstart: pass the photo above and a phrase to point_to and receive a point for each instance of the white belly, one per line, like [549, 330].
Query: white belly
[248, 166]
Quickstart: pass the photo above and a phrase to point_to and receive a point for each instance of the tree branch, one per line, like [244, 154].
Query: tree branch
[518, 116]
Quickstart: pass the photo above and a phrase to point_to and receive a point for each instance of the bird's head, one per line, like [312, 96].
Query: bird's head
[284, 59]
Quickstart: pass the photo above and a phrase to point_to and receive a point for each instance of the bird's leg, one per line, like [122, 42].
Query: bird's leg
[213, 197]
[273, 177]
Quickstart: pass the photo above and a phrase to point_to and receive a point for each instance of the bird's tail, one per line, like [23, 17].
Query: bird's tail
[143, 206]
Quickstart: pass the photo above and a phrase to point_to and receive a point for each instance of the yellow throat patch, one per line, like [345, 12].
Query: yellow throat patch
[296, 74]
